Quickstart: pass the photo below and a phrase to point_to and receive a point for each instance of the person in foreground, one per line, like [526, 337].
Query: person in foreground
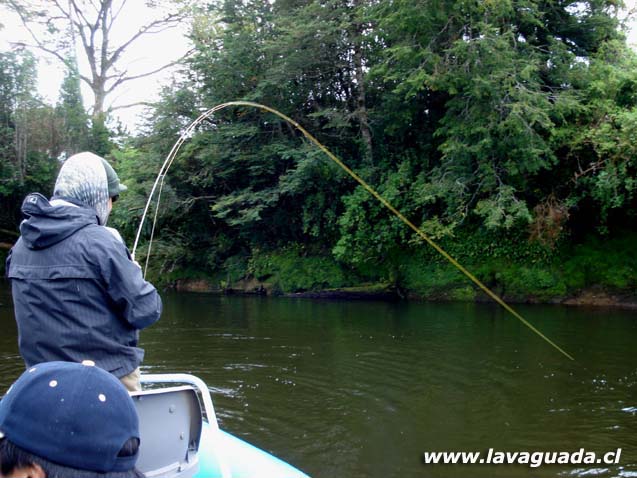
[77, 293]
[68, 420]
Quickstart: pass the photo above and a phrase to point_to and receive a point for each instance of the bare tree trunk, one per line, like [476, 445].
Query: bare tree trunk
[98, 103]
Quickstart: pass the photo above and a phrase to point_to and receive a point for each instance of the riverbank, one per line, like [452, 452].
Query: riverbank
[592, 297]
[596, 272]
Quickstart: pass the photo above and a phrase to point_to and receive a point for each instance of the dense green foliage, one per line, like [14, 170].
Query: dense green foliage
[520, 274]
[292, 269]
[29, 135]
[503, 128]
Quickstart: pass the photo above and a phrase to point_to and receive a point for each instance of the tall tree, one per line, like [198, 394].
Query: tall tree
[18, 71]
[70, 109]
[54, 26]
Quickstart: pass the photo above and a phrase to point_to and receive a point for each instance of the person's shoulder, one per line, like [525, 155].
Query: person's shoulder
[93, 231]
[102, 238]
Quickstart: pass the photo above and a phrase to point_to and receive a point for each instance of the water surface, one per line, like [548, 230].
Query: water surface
[362, 389]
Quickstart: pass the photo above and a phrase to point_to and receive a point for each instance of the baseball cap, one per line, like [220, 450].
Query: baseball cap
[114, 186]
[72, 414]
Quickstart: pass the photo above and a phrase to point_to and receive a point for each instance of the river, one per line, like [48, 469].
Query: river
[363, 389]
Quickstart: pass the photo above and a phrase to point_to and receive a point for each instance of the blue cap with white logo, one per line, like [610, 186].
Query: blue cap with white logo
[75, 415]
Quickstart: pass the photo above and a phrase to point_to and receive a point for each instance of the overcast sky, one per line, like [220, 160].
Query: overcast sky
[145, 55]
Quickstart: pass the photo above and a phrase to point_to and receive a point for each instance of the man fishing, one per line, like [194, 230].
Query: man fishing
[77, 293]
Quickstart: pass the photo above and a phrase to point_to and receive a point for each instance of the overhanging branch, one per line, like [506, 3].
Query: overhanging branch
[132, 105]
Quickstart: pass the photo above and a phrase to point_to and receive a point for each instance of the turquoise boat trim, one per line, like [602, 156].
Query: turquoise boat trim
[240, 458]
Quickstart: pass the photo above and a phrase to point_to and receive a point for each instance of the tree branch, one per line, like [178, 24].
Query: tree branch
[89, 46]
[116, 14]
[38, 43]
[123, 79]
[172, 18]
[131, 105]
[67, 13]
[102, 20]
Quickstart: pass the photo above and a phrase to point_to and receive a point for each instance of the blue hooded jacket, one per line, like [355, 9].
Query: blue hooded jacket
[77, 294]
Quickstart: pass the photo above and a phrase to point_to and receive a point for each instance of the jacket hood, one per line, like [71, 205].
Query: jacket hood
[83, 177]
[45, 224]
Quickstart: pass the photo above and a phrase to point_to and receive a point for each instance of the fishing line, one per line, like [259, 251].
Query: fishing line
[175, 149]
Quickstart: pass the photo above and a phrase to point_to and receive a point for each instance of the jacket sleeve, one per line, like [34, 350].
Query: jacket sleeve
[137, 300]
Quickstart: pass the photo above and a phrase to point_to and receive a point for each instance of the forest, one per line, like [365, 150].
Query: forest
[505, 129]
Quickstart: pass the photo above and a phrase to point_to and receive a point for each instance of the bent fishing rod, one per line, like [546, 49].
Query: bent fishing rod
[159, 184]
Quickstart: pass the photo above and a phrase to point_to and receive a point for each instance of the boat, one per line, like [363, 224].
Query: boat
[180, 435]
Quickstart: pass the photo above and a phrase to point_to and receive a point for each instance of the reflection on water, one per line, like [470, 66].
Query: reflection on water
[362, 389]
